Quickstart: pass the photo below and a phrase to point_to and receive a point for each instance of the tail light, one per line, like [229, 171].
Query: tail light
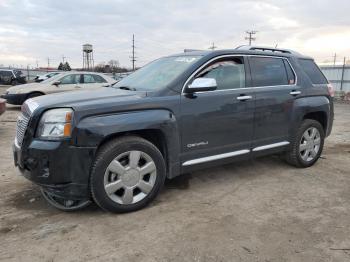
[331, 90]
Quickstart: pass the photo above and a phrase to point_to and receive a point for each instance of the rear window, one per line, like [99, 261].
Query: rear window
[269, 71]
[312, 71]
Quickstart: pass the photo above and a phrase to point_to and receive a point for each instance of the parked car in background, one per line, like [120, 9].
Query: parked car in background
[2, 106]
[12, 77]
[120, 76]
[116, 146]
[63, 82]
[40, 78]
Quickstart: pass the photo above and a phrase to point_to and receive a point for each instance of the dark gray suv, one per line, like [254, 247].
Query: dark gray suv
[116, 145]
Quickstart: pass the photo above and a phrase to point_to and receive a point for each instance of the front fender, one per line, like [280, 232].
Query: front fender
[91, 131]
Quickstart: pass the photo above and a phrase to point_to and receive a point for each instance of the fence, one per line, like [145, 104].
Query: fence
[339, 76]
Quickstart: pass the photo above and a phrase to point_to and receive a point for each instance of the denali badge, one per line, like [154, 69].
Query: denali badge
[197, 144]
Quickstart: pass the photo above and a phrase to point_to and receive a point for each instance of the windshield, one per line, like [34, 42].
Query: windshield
[157, 74]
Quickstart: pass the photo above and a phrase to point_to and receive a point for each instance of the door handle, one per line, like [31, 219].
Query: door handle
[295, 93]
[244, 98]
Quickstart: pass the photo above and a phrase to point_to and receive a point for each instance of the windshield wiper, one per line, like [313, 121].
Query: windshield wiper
[127, 88]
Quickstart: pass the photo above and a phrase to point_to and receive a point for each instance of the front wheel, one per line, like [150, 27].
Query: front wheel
[307, 144]
[127, 174]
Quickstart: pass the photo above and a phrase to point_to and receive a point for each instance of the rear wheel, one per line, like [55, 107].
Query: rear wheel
[128, 173]
[307, 145]
[14, 82]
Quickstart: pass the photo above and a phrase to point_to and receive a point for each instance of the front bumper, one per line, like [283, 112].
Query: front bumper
[62, 169]
[15, 99]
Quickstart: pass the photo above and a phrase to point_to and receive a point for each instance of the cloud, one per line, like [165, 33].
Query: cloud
[35, 30]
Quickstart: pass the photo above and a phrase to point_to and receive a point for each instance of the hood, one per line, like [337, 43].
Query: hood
[88, 99]
[25, 88]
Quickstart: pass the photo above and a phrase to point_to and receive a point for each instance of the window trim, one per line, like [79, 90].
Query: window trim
[239, 55]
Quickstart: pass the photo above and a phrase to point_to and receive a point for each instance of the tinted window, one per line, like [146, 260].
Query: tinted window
[290, 73]
[227, 73]
[99, 79]
[88, 79]
[70, 79]
[312, 71]
[268, 71]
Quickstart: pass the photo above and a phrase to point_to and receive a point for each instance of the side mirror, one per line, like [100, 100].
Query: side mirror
[57, 83]
[202, 84]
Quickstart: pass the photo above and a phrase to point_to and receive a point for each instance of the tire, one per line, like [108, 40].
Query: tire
[127, 174]
[14, 82]
[298, 154]
[66, 205]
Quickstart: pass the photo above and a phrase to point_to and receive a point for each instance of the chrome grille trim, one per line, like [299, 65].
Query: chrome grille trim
[21, 127]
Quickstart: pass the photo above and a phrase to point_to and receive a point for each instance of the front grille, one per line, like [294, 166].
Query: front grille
[22, 123]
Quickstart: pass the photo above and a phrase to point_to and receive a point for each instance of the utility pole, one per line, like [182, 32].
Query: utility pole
[133, 58]
[250, 36]
[334, 59]
[37, 64]
[48, 64]
[212, 47]
[342, 75]
[63, 57]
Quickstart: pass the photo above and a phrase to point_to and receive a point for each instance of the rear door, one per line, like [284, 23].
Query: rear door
[92, 81]
[274, 82]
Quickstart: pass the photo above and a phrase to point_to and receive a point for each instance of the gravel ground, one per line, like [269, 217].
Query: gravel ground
[261, 210]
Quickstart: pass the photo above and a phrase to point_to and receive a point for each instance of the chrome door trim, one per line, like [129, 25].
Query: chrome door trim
[244, 97]
[215, 157]
[260, 148]
[241, 88]
[293, 93]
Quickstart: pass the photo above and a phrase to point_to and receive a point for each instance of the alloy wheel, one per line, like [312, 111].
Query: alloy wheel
[310, 144]
[130, 177]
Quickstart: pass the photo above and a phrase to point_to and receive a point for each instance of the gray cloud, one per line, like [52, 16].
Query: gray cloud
[34, 30]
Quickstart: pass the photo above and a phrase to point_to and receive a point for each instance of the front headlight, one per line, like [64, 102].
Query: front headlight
[55, 124]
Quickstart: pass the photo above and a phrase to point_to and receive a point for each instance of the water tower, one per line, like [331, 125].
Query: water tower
[88, 57]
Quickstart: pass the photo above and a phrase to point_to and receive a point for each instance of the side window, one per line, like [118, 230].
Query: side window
[99, 79]
[228, 73]
[290, 73]
[88, 79]
[70, 79]
[268, 71]
[312, 71]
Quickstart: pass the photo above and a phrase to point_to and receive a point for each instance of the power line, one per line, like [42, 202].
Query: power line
[250, 36]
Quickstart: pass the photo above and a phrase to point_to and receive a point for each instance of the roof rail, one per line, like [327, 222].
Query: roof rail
[264, 48]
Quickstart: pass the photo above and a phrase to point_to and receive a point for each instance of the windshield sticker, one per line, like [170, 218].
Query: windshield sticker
[186, 59]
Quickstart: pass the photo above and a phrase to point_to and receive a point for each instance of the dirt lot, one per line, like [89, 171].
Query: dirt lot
[262, 210]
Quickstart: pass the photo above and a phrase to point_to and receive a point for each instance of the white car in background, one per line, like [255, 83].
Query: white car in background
[63, 82]
[40, 78]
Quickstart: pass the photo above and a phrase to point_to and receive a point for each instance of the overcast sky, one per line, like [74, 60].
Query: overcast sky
[32, 30]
